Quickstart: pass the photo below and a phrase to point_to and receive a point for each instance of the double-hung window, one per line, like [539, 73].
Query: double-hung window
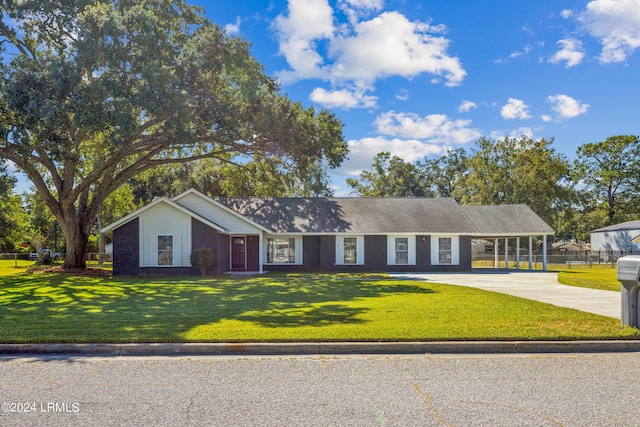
[349, 250]
[445, 250]
[165, 250]
[281, 250]
[350, 246]
[401, 250]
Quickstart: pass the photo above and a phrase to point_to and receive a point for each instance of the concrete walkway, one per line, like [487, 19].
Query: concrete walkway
[539, 286]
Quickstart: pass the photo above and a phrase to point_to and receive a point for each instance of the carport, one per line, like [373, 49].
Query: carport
[518, 253]
[507, 222]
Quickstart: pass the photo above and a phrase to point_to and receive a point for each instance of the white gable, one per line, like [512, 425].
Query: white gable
[165, 220]
[212, 211]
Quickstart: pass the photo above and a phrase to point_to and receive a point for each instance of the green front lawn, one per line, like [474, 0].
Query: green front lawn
[63, 308]
[597, 276]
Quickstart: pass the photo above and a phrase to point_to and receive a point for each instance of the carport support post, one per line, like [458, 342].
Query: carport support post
[260, 254]
[495, 253]
[506, 253]
[530, 253]
[544, 253]
[517, 253]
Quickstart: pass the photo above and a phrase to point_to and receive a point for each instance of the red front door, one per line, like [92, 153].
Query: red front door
[238, 253]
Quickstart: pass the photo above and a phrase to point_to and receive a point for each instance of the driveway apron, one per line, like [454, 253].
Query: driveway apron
[539, 286]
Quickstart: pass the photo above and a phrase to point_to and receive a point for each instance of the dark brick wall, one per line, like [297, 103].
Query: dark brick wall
[253, 253]
[203, 236]
[126, 252]
[318, 254]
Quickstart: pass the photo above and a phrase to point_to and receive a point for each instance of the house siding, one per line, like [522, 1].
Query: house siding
[616, 240]
[165, 220]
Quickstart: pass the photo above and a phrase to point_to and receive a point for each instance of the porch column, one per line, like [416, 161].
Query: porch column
[506, 253]
[495, 253]
[544, 253]
[517, 253]
[260, 250]
[530, 253]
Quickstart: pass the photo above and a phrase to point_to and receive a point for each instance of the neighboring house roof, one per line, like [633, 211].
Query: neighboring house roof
[629, 225]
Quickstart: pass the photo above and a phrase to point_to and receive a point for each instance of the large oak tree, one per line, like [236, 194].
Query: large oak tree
[94, 92]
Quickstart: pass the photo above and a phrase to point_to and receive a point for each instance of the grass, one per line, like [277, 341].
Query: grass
[49, 307]
[597, 276]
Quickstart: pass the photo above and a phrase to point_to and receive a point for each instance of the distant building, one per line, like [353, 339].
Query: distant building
[622, 237]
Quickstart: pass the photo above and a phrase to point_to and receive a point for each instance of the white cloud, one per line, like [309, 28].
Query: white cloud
[309, 21]
[466, 106]
[402, 95]
[11, 167]
[362, 51]
[391, 45]
[566, 106]
[233, 28]
[515, 109]
[571, 52]
[526, 132]
[546, 118]
[362, 152]
[436, 128]
[617, 24]
[566, 13]
[356, 9]
[342, 99]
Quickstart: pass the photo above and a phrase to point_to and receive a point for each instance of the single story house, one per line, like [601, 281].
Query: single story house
[621, 237]
[311, 234]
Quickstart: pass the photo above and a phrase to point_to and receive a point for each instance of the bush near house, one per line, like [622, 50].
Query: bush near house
[202, 258]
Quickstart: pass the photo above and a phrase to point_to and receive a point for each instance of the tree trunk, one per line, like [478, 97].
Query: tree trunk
[76, 235]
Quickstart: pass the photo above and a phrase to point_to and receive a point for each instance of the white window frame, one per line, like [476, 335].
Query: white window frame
[391, 248]
[297, 249]
[173, 250]
[435, 249]
[359, 249]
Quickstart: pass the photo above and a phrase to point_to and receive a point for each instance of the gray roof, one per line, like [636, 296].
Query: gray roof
[381, 215]
[506, 219]
[629, 225]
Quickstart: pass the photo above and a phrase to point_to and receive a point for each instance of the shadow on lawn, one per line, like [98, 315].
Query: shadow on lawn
[63, 308]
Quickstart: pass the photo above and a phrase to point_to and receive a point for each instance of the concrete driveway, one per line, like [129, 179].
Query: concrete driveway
[539, 286]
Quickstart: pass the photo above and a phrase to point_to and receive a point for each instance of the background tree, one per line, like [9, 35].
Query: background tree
[96, 92]
[444, 175]
[514, 171]
[607, 174]
[389, 177]
[13, 218]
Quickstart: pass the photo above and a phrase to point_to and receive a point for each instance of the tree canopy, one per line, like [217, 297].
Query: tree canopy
[95, 92]
[608, 173]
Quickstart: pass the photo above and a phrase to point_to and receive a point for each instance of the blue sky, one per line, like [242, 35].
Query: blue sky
[417, 78]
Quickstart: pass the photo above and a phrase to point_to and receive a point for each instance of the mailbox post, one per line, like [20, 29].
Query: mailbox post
[629, 275]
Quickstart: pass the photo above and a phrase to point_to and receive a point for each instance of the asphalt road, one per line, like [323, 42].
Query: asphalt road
[416, 390]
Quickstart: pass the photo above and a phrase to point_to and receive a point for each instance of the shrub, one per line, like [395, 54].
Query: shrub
[202, 258]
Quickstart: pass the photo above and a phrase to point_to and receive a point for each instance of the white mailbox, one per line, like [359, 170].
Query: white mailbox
[629, 276]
